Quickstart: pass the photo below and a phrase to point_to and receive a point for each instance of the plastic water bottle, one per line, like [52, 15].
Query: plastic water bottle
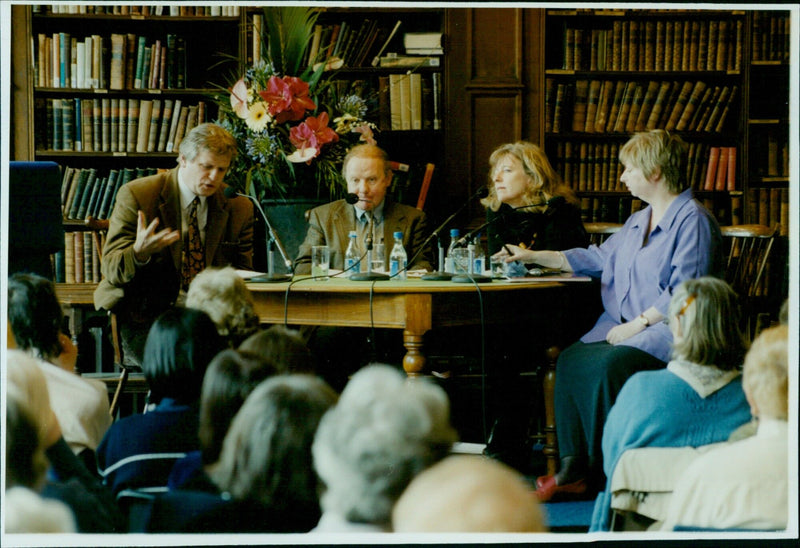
[351, 255]
[449, 264]
[398, 259]
[478, 255]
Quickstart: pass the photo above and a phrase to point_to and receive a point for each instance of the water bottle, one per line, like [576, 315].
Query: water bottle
[449, 264]
[478, 255]
[351, 256]
[398, 258]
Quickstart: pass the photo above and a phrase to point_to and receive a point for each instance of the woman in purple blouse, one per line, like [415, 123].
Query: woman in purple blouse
[671, 240]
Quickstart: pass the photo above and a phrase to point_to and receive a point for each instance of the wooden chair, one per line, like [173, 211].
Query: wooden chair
[747, 251]
[599, 232]
[99, 228]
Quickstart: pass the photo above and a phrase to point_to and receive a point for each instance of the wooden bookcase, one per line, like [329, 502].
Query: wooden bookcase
[610, 73]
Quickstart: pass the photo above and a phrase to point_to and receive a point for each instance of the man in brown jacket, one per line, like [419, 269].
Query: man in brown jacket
[167, 227]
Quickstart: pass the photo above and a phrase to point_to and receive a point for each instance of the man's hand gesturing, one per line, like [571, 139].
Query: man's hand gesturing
[148, 241]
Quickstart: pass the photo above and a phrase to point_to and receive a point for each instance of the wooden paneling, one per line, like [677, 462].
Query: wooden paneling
[21, 144]
[494, 68]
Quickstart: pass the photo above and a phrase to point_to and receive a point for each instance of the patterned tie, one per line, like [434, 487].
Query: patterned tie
[193, 258]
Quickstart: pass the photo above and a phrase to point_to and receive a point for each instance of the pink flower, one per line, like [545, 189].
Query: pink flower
[313, 133]
[239, 98]
[366, 134]
[287, 99]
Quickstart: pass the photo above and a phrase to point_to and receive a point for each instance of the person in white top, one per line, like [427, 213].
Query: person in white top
[35, 317]
[744, 484]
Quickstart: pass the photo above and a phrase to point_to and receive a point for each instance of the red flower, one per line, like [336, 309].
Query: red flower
[313, 133]
[287, 99]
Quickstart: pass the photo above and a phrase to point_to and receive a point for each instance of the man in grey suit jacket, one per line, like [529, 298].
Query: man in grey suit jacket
[143, 256]
[368, 175]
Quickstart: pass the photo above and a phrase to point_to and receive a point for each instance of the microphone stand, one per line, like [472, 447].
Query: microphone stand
[441, 275]
[272, 237]
[369, 275]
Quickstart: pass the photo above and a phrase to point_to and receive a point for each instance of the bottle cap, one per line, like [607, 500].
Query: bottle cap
[353, 234]
[398, 234]
[454, 232]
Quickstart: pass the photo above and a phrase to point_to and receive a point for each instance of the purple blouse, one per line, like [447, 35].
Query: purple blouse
[685, 244]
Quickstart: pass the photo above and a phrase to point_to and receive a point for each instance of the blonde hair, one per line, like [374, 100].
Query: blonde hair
[222, 294]
[543, 181]
[766, 373]
[210, 137]
[657, 151]
[710, 318]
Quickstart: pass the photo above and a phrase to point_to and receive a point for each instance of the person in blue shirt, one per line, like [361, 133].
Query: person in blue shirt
[697, 400]
[671, 240]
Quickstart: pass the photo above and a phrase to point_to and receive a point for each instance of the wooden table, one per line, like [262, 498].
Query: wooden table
[415, 306]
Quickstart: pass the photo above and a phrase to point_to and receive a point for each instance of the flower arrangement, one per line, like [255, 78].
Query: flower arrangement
[293, 126]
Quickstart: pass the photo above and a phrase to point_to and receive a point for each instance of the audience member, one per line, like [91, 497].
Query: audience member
[264, 471]
[385, 430]
[138, 452]
[697, 399]
[222, 294]
[81, 405]
[229, 379]
[24, 510]
[283, 346]
[468, 494]
[68, 480]
[671, 240]
[166, 228]
[745, 484]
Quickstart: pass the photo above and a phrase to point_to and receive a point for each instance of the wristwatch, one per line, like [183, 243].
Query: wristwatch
[643, 320]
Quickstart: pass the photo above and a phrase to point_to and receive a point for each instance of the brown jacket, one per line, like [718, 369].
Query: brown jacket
[330, 225]
[152, 287]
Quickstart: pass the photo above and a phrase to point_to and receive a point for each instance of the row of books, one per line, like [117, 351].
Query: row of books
[609, 209]
[123, 61]
[115, 124]
[79, 262]
[411, 101]
[86, 192]
[662, 45]
[771, 34]
[769, 206]
[607, 106]
[595, 167]
[222, 10]
[356, 44]
[770, 154]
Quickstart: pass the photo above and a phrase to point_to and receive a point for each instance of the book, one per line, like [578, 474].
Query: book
[636, 106]
[691, 105]
[395, 85]
[108, 194]
[163, 131]
[711, 172]
[173, 127]
[726, 109]
[67, 124]
[658, 105]
[105, 124]
[180, 62]
[181, 128]
[625, 107]
[603, 107]
[172, 75]
[722, 169]
[405, 101]
[191, 121]
[549, 103]
[96, 124]
[117, 67]
[139, 68]
[98, 187]
[580, 105]
[78, 183]
[591, 105]
[716, 112]
[415, 82]
[650, 94]
[694, 44]
[69, 257]
[730, 182]
[82, 193]
[155, 116]
[132, 128]
[77, 242]
[408, 61]
[559, 107]
[143, 131]
[79, 126]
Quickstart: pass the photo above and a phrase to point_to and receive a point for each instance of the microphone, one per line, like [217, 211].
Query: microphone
[369, 275]
[554, 201]
[481, 193]
[272, 236]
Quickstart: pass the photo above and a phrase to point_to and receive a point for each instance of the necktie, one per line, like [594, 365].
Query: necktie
[193, 259]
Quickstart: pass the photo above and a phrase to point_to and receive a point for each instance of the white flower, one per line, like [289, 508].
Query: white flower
[258, 117]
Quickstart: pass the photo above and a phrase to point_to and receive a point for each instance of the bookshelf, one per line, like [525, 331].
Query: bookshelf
[116, 95]
[610, 73]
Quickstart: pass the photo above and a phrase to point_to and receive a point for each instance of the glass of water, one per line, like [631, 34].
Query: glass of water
[378, 258]
[320, 262]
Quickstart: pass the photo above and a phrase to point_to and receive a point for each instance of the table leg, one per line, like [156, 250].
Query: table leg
[418, 322]
[414, 360]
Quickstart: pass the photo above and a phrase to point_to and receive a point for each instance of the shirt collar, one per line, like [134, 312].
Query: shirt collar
[704, 379]
[187, 195]
[377, 212]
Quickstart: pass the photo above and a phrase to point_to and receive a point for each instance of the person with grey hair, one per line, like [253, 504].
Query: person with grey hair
[384, 431]
[697, 399]
[222, 294]
[166, 228]
[745, 484]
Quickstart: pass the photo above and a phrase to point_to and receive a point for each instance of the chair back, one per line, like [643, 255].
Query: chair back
[599, 232]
